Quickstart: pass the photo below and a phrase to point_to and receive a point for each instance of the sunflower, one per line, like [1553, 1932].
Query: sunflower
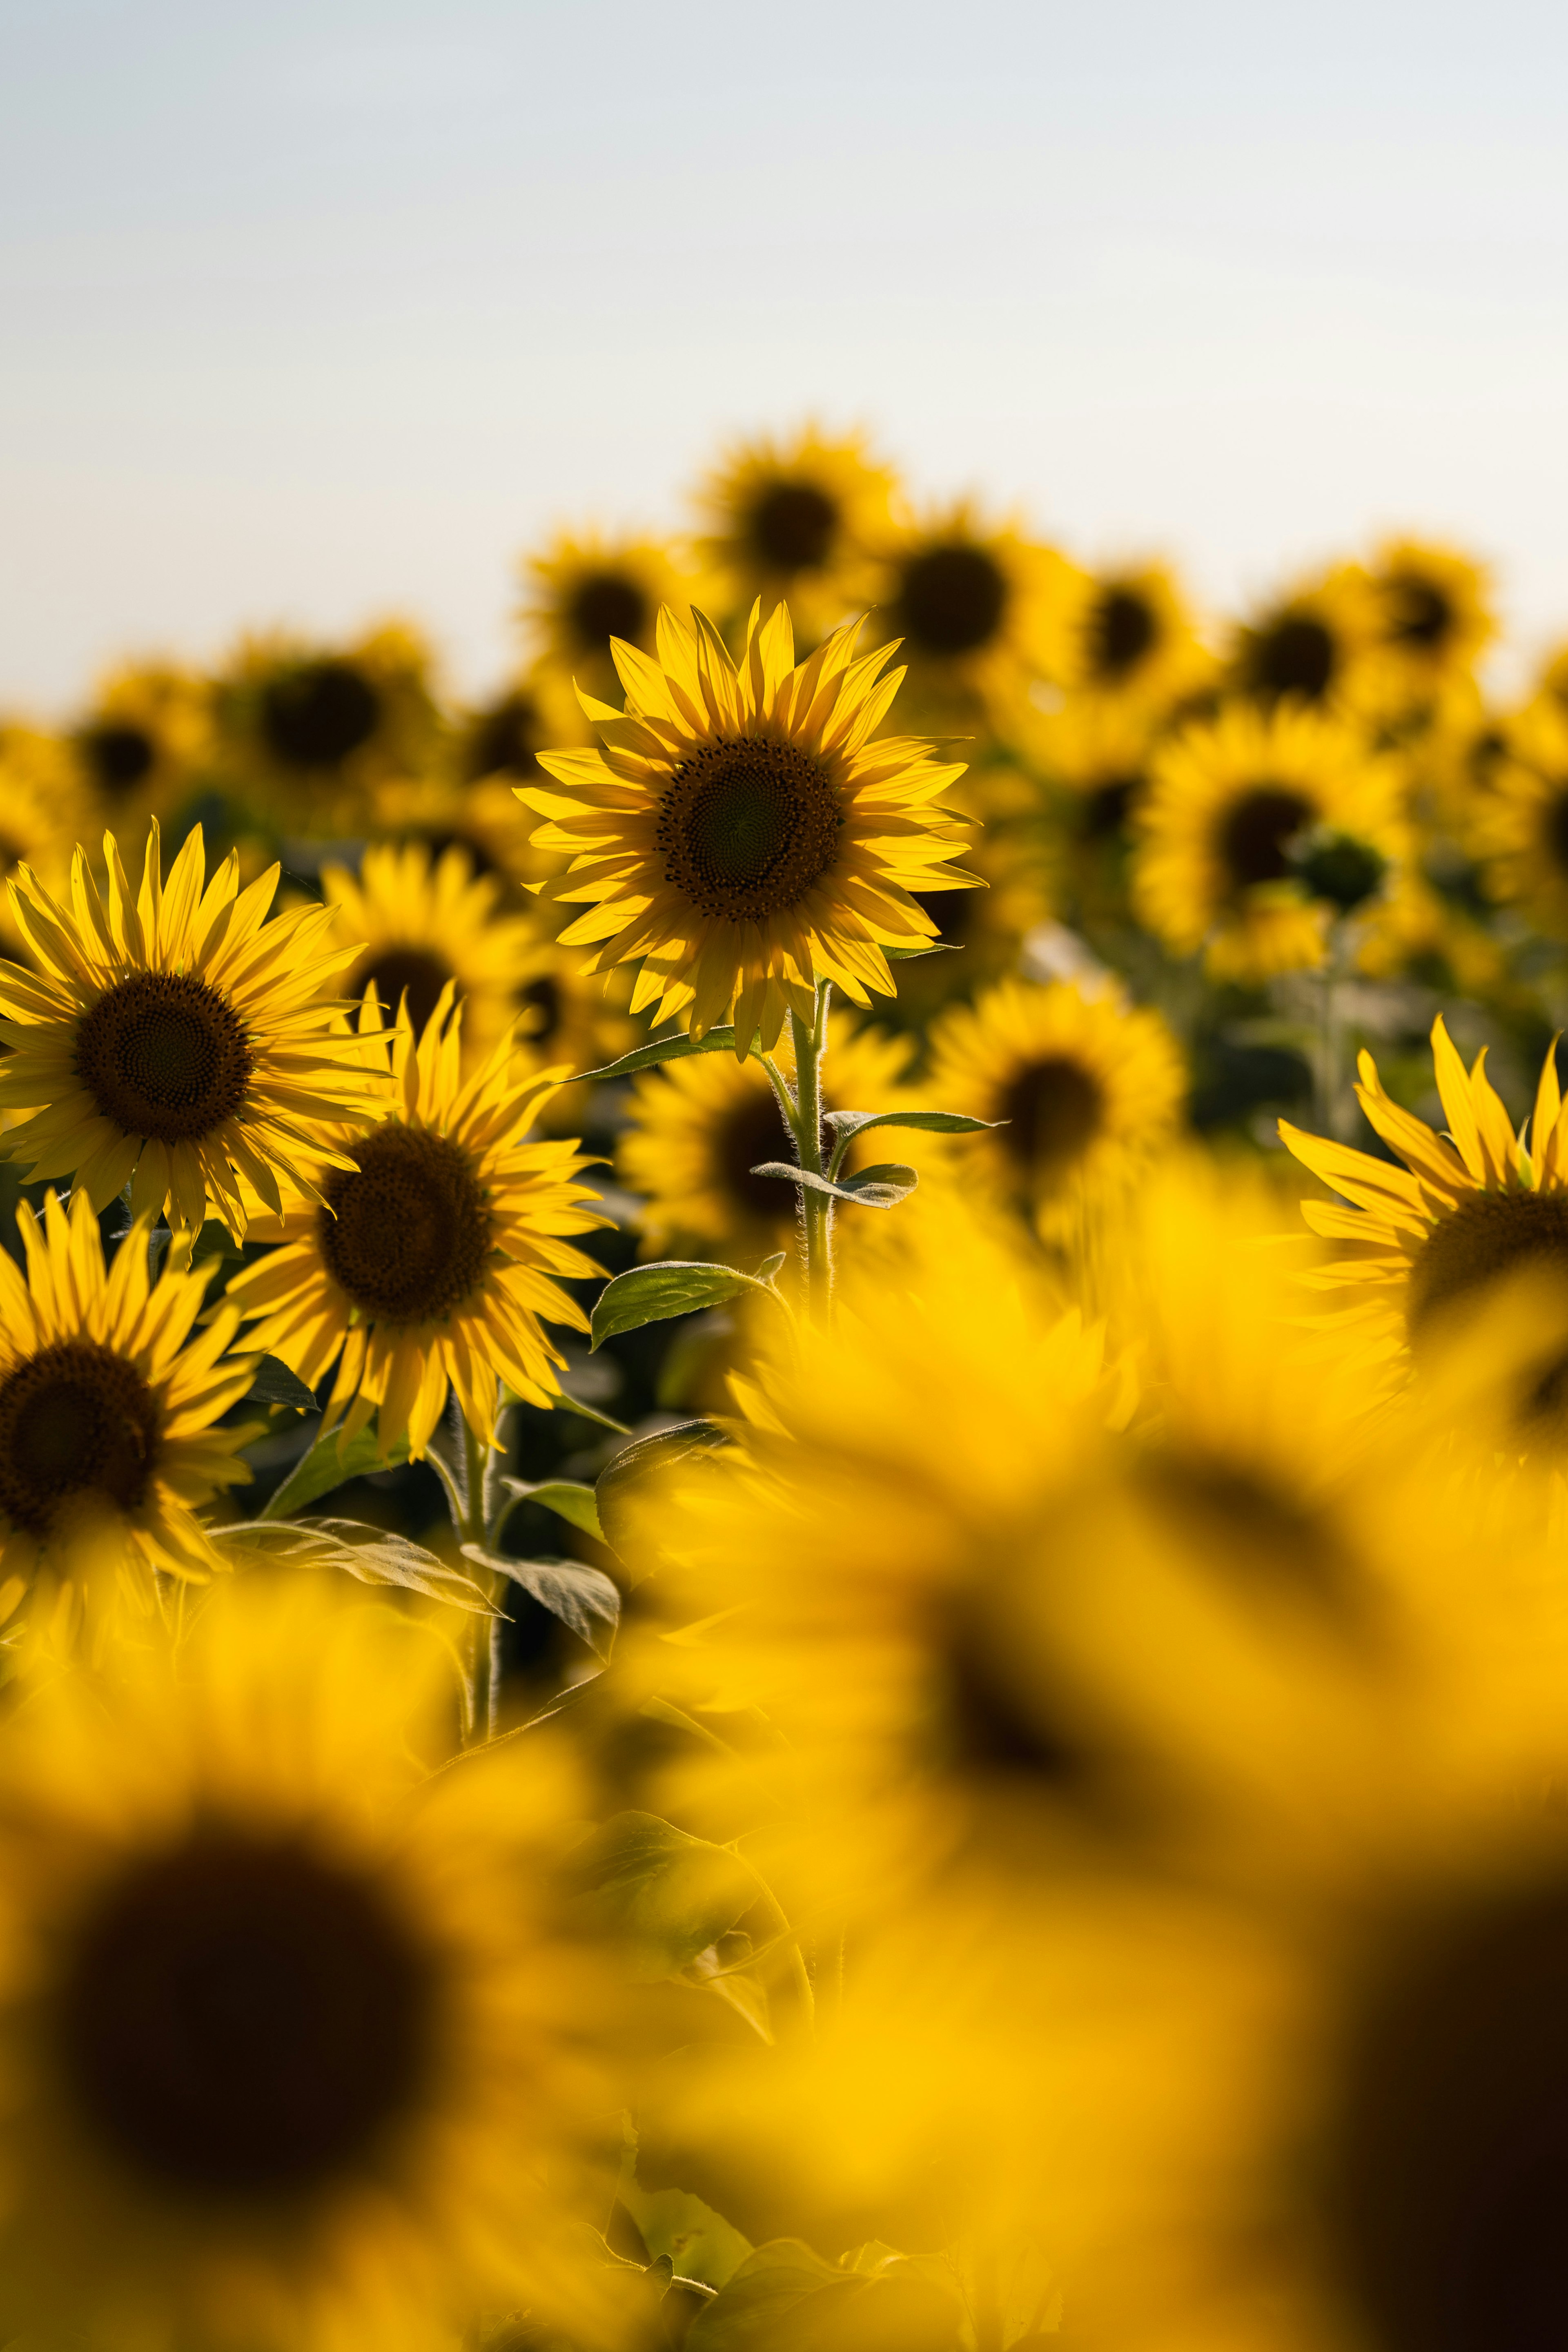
[1088, 1088]
[40, 811]
[435, 1252]
[1518, 824]
[294, 2044]
[1130, 638]
[698, 1129]
[144, 743]
[1468, 1211]
[742, 834]
[798, 520]
[305, 731]
[415, 924]
[1434, 618]
[178, 1042]
[106, 1405]
[1094, 755]
[1309, 646]
[980, 613]
[988, 928]
[1216, 867]
[566, 1020]
[588, 591]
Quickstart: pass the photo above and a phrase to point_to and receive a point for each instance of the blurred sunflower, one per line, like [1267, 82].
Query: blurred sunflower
[698, 1128]
[295, 2045]
[107, 1406]
[988, 928]
[743, 831]
[585, 591]
[1227, 835]
[1094, 757]
[501, 740]
[1130, 638]
[1311, 646]
[435, 1252]
[177, 1042]
[567, 1022]
[417, 924]
[305, 732]
[144, 744]
[797, 520]
[979, 612]
[1518, 824]
[1433, 617]
[1088, 1088]
[40, 813]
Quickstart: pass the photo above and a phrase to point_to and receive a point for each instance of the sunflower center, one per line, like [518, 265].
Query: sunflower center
[1555, 827]
[1297, 656]
[607, 605]
[543, 998]
[794, 525]
[745, 828]
[505, 739]
[952, 599]
[996, 1722]
[163, 1054]
[1107, 808]
[1260, 1537]
[242, 2017]
[394, 970]
[1255, 832]
[119, 755]
[75, 1419]
[1055, 1108]
[1448, 2174]
[1488, 1238]
[1424, 615]
[409, 1228]
[1121, 631]
[314, 716]
[752, 1132]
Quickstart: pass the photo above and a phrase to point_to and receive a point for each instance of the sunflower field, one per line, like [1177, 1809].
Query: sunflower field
[783, 1560]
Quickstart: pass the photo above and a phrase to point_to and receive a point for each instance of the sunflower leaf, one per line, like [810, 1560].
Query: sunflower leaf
[936, 947]
[882, 1187]
[664, 1895]
[700, 2243]
[848, 1123]
[563, 1497]
[276, 1384]
[625, 1471]
[330, 1463]
[667, 1049]
[584, 1599]
[371, 1555]
[653, 1294]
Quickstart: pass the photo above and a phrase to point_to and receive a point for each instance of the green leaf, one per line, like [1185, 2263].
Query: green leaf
[936, 947]
[614, 1488]
[369, 1554]
[663, 1895]
[668, 1049]
[567, 1402]
[563, 1497]
[762, 2307]
[882, 1187]
[584, 1599]
[276, 1384]
[653, 1294]
[751, 2312]
[700, 2243]
[849, 1123]
[329, 1464]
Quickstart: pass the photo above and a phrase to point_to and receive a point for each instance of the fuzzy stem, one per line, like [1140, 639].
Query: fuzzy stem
[816, 1208]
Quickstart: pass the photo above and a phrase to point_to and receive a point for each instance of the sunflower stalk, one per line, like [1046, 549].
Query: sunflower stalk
[816, 1208]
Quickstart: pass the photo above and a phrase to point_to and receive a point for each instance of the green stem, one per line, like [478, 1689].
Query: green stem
[816, 1208]
[485, 1669]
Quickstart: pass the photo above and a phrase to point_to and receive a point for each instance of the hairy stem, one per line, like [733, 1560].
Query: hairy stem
[816, 1208]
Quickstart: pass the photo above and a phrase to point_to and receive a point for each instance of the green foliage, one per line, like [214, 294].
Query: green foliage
[698, 2242]
[882, 1187]
[669, 1049]
[664, 1895]
[584, 1599]
[785, 2298]
[276, 1384]
[653, 1294]
[564, 1497]
[329, 1464]
[369, 1554]
[847, 1124]
[616, 1482]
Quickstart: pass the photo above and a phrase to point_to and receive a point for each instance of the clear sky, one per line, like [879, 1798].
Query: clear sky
[316, 309]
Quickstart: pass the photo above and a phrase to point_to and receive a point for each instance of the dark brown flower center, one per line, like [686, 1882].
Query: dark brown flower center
[1488, 1238]
[1255, 833]
[752, 1131]
[952, 600]
[118, 754]
[1555, 826]
[505, 739]
[1107, 806]
[244, 2018]
[1055, 1108]
[794, 525]
[397, 970]
[1122, 629]
[76, 1420]
[409, 1226]
[1237, 1521]
[607, 605]
[1423, 615]
[163, 1054]
[1295, 654]
[745, 828]
[316, 715]
[1447, 2177]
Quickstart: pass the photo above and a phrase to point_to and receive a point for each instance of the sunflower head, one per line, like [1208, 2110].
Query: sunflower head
[1310, 646]
[305, 731]
[1132, 638]
[799, 518]
[419, 923]
[744, 832]
[586, 592]
[144, 741]
[981, 612]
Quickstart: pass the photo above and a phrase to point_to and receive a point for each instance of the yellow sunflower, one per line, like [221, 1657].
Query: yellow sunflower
[145, 742]
[1518, 822]
[798, 520]
[1216, 867]
[41, 812]
[1433, 616]
[435, 1252]
[177, 1042]
[588, 592]
[305, 731]
[744, 832]
[1093, 756]
[980, 613]
[1310, 646]
[1469, 1210]
[107, 1405]
[988, 928]
[1089, 1088]
[568, 1021]
[1130, 636]
[415, 925]
[698, 1128]
[294, 2045]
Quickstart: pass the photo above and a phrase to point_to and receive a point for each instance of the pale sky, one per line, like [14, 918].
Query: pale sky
[318, 309]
